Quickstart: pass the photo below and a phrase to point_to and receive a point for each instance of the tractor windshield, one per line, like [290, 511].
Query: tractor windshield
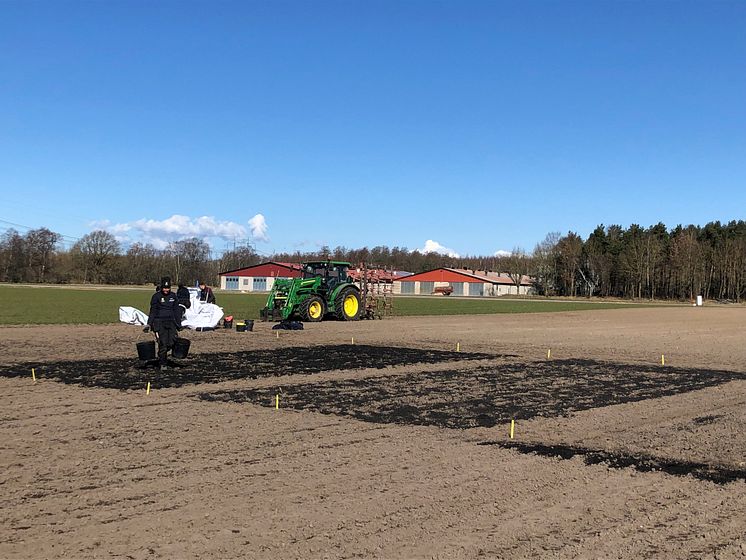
[313, 270]
[342, 273]
[334, 272]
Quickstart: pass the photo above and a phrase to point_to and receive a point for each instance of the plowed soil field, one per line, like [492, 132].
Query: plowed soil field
[629, 439]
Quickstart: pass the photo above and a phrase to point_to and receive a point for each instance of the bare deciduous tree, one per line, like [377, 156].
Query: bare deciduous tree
[518, 266]
[97, 252]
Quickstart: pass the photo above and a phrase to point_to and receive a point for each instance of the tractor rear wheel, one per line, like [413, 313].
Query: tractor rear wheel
[312, 309]
[347, 305]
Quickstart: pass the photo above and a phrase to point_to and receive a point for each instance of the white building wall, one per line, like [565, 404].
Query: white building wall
[496, 290]
[246, 283]
[505, 290]
[399, 288]
[510, 290]
[490, 290]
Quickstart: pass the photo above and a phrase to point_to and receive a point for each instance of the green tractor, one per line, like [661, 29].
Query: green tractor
[324, 288]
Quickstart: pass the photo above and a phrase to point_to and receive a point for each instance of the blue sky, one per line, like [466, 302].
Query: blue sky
[480, 126]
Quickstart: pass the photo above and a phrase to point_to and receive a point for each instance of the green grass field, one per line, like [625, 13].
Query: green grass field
[52, 305]
[447, 306]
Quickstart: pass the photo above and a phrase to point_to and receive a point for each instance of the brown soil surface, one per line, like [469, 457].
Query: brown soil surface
[386, 453]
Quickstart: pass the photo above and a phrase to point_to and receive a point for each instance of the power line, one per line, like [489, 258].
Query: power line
[70, 237]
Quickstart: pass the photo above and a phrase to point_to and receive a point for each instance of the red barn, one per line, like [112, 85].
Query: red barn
[463, 282]
[258, 278]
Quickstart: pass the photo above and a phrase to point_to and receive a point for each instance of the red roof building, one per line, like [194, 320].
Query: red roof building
[378, 275]
[258, 278]
[464, 282]
[261, 277]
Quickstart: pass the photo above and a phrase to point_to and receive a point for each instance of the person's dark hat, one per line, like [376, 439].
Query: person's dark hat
[166, 282]
[200, 282]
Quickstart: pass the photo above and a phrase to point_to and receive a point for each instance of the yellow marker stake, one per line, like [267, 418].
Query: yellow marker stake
[277, 333]
[353, 340]
[512, 428]
[33, 374]
[147, 391]
[663, 360]
[277, 402]
[458, 347]
[549, 354]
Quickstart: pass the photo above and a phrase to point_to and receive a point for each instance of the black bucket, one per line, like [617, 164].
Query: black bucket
[181, 348]
[227, 323]
[146, 350]
[240, 327]
[249, 325]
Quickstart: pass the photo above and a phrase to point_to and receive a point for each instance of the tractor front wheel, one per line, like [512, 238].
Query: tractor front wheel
[347, 305]
[312, 309]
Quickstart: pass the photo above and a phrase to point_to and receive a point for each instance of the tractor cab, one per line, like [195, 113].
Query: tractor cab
[332, 273]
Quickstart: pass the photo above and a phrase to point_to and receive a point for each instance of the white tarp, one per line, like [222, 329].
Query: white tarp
[199, 315]
[132, 316]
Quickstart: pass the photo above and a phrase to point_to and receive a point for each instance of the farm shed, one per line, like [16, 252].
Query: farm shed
[261, 277]
[464, 282]
[378, 275]
[258, 278]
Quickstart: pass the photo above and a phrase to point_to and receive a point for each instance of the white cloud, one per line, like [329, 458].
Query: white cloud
[161, 232]
[157, 242]
[119, 231]
[435, 247]
[179, 227]
[503, 253]
[259, 228]
[99, 224]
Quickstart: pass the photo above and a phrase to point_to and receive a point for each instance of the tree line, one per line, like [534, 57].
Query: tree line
[653, 262]
[99, 258]
[637, 262]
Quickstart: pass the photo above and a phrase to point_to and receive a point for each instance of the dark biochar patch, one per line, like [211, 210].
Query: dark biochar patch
[640, 462]
[487, 395]
[225, 366]
[710, 419]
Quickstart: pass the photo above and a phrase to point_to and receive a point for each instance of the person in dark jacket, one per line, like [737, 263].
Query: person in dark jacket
[182, 294]
[205, 293]
[165, 319]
